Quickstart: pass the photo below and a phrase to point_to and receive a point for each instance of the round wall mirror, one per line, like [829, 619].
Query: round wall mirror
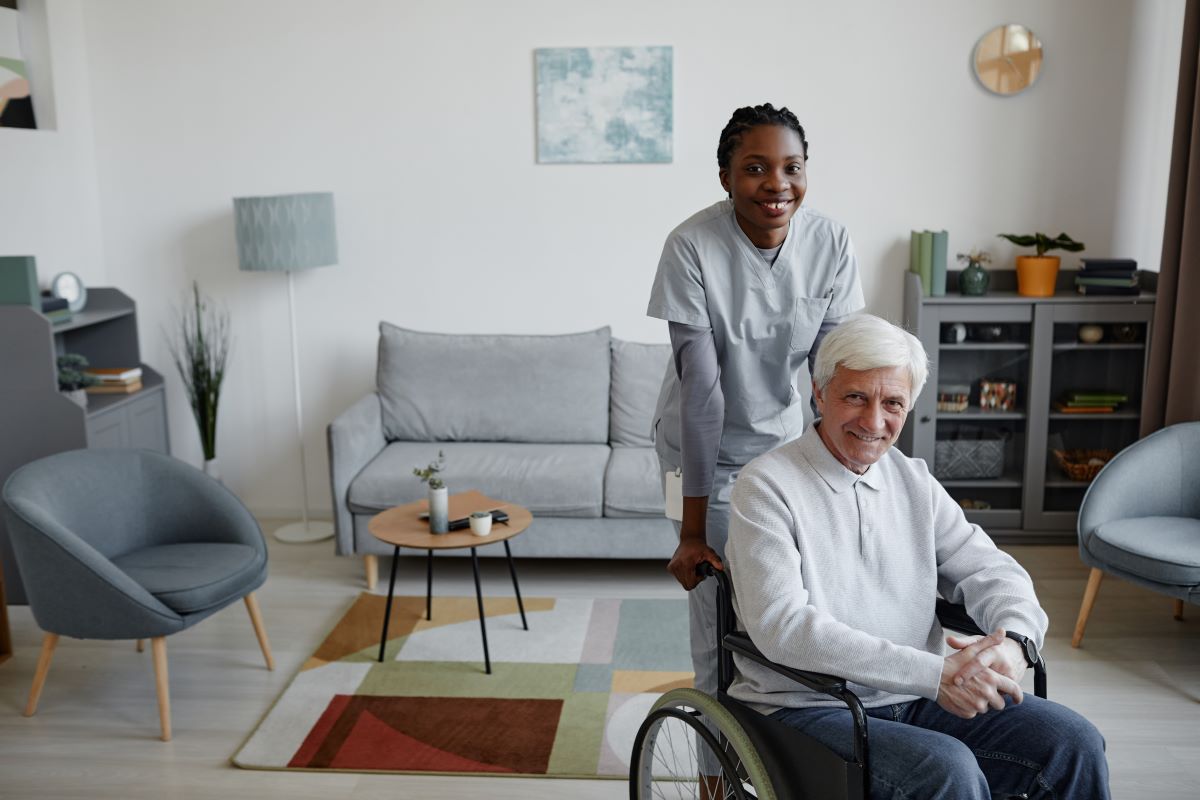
[1008, 59]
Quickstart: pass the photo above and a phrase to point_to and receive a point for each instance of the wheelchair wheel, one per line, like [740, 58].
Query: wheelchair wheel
[691, 747]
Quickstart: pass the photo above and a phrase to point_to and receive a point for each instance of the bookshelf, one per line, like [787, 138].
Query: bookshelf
[37, 420]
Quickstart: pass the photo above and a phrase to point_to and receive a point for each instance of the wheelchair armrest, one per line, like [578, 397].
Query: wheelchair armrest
[955, 617]
[740, 643]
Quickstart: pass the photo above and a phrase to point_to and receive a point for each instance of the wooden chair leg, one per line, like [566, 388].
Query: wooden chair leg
[159, 647]
[371, 564]
[141, 645]
[1089, 600]
[1179, 610]
[49, 642]
[259, 630]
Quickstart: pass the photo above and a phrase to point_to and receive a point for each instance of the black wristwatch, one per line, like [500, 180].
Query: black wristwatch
[1028, 648]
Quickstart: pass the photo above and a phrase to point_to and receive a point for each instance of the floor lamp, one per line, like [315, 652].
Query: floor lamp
[286, 233]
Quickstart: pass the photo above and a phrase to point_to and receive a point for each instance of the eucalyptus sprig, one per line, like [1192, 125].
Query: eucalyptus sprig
[429, 473]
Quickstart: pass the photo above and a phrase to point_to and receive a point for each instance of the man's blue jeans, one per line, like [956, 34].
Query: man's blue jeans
[1038, 749]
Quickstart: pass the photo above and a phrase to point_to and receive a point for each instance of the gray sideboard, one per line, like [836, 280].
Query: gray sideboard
[36, 420]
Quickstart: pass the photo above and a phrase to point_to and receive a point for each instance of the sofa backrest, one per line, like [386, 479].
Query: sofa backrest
[484, 388]
[637, 376]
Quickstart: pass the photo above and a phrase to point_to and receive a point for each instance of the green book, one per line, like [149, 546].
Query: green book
[941, 242]
[926, 262]
[18, 281]
[1095, 398]
[914, 252]
[1082, 281]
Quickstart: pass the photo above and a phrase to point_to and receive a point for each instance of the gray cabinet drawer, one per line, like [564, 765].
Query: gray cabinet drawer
[140, 423]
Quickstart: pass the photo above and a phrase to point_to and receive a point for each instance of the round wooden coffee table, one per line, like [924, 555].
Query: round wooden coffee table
[403, 526]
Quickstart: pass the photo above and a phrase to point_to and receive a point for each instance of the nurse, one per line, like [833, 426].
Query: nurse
[748, 287]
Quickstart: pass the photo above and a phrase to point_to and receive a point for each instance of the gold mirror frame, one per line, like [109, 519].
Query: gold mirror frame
[1007, 59]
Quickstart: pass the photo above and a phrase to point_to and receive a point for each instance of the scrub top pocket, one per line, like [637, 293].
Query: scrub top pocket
[810, 313]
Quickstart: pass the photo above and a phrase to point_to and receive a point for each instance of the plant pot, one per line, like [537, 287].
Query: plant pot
[974, 280]
[1036, 275]
[212, 469]
[78, 397]
[439, 510]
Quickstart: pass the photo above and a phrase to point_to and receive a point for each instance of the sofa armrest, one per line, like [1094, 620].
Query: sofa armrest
[355, 437]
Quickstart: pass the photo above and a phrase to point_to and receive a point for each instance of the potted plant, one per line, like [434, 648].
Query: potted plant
[1036, 275]
[439, 496]
[73, 380]
[200, 353]
[974, 280]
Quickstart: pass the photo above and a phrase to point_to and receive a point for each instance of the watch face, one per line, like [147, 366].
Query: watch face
[69, 287]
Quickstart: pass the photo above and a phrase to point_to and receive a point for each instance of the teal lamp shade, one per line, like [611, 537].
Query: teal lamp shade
[285, 232]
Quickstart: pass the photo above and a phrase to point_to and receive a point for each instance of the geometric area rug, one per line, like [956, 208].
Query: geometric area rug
[564, 699]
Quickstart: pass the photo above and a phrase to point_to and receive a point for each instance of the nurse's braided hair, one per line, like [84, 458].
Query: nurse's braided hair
[749, 117]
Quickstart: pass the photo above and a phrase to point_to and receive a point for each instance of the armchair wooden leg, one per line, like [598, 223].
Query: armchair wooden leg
[371, 564]
[1179, 610]
[259, 630]
[141, 645]
[49, 642]
[159, 647]
[1089, 600]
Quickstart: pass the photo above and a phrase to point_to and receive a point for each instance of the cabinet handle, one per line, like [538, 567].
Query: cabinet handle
[925, 419]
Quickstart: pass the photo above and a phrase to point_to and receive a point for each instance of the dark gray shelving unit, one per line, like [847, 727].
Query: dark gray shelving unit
[37, 420]
[1039, 350]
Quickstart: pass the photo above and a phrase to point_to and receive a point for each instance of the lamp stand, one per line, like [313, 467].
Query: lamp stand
[306, 530]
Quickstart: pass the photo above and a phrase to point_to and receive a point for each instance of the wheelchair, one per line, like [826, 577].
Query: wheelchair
[752, 755]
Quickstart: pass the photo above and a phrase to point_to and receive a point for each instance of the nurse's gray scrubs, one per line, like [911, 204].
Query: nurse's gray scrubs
[765, 319]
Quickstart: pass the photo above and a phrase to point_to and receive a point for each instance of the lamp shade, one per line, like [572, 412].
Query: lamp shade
[286, 232]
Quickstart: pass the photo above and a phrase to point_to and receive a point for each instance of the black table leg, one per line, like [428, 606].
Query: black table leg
[512, 568]
[387, 613]
[429, 586]
[487, 660]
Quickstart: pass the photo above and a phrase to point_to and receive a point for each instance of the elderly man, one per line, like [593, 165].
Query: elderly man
[838, 547]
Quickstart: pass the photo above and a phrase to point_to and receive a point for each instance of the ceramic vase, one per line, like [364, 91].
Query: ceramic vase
[78, 397]
[439, 510]
[974, 280]
[212, 469]
[1036, 275]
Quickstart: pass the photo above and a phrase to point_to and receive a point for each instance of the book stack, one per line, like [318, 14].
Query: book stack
[1107, 276]
[1090, 402]
[927, 258]
[55, 309]
[115, 380]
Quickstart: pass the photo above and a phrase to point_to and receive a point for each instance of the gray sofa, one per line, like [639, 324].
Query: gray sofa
[558, 424]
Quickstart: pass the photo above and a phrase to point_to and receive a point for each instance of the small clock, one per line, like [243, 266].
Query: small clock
[69, 287]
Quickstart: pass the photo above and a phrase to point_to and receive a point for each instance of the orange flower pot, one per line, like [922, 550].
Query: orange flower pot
[1036, 275]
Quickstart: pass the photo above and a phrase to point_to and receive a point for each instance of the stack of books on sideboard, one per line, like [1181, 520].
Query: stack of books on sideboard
[116, 380]
[1107, 276]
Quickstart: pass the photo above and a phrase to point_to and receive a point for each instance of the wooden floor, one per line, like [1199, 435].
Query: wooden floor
[95, 735]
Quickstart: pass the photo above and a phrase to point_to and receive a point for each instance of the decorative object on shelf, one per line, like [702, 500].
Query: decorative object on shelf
[116, 380]
[73, 380]
[287, 233]
[953, 399]
[954, 333]
[1090, 402]
[1007, 59]
[1082, 465]
[1125, 333]
[974, 280]
[968, 504]
[988, 332]
[927, 259]
[200, 352]
[56, 309]
[18, 281]
[975, 453]
[603, 105]
[1108, 276]
[481, 523]
[1090, 334]
[997, 395]
[69, 286]
[1036, 275]
[439, 496]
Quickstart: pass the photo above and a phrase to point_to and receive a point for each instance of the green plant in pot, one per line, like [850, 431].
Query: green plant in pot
[200, 352]
[1036, 275]
[73, 380]
[439, 495]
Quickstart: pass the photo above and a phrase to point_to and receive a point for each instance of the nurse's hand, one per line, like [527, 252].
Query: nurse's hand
[690, 554]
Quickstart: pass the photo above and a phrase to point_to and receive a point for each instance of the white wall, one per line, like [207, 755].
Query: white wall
[419, 116]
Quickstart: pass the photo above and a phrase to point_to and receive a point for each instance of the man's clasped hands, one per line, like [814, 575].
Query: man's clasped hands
[984, 669]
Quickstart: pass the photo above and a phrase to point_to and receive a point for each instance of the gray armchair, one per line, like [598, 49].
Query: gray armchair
[1140, 519]
[129, 544]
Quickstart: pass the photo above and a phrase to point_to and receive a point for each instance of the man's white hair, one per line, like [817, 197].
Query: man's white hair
[867, 342]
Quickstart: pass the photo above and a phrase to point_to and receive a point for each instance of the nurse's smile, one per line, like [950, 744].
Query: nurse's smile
[766, 180]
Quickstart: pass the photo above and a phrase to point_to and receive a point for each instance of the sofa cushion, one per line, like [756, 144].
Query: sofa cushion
[637, 376]
[472, 388]
[558, 480]
[195, 576]
[1160, 549]
[632, 485]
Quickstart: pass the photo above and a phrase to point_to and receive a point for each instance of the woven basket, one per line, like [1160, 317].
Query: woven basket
[968, 458]
[1082, 465]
